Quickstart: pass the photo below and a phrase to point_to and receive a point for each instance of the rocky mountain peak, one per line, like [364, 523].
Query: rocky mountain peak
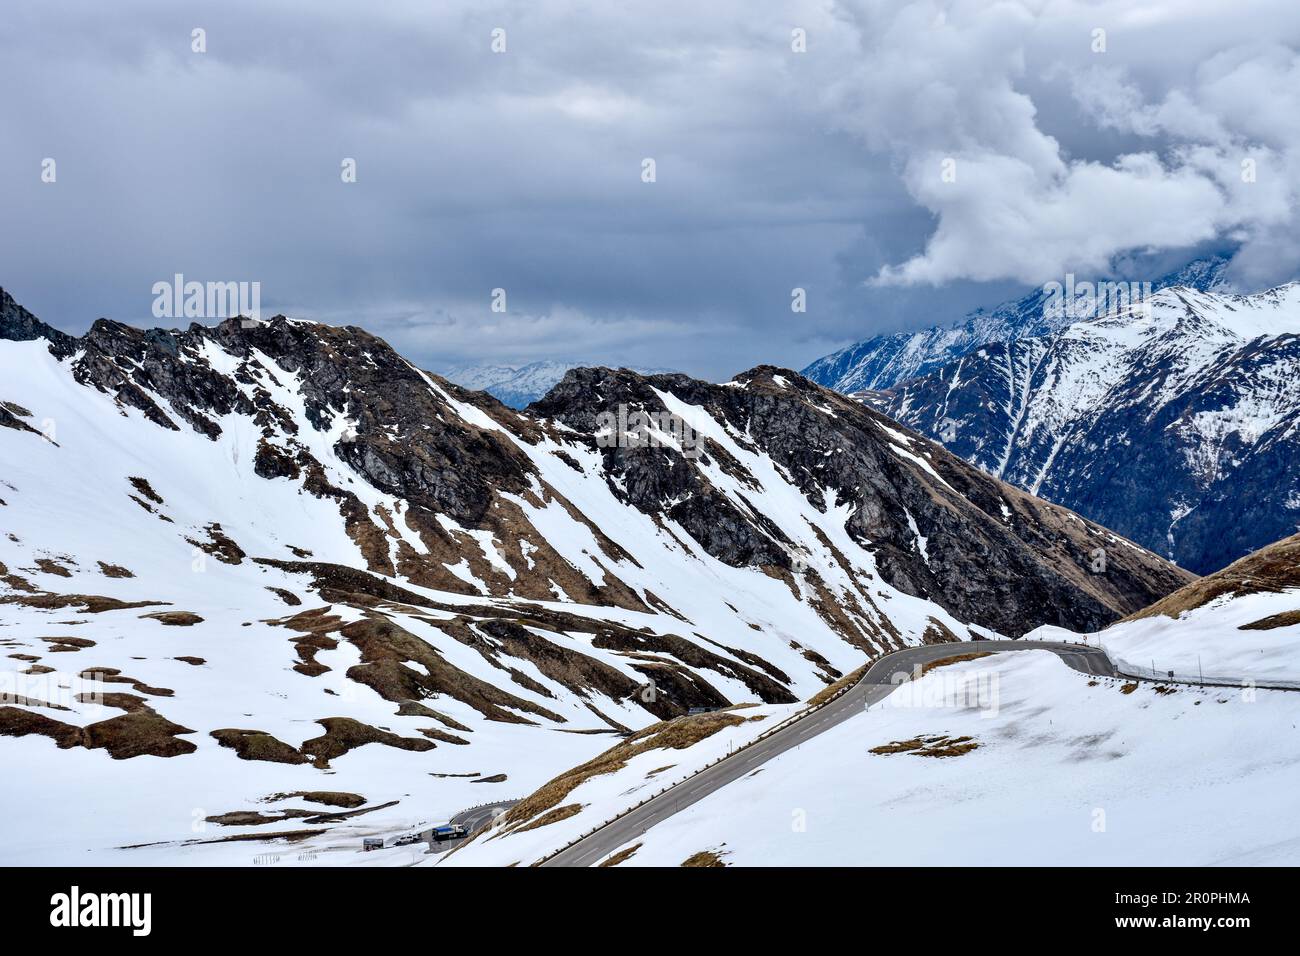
[921, 511]
[19, 325]
[748, 472]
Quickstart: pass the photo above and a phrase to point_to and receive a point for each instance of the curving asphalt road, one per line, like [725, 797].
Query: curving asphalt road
[473, 820]
[476, 818]
[877, 684]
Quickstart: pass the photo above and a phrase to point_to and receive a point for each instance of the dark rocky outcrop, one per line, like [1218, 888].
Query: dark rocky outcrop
[937, 527]
[993, 555]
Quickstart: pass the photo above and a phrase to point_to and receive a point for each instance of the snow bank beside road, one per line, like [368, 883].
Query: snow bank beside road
[1067, 770]
[1214, 642]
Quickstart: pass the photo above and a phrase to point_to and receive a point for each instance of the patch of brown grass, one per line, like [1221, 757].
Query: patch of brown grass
[323, 817]
[553, 816]
[433, 733]
[219, 545]
[257, 745]
[675, 734]
[330, 798]
[288, 836]
[87, 603]
[16, 582]
[343, 734]
[50, 566]
[1272, 569]
[1285, 619]
[934, 745]
[704, 858]
[955, 659]
[114, 570]
[386, 648]
[67, 644]
[174, 618]
[143, 486]
[111, 675]
[253, 818]
[830, 690]
[936, 632]
[288, 597]
[411, 708]
[138, 733]
[314, 627]
[622, 855]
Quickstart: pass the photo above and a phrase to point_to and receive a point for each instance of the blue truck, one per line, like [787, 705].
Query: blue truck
[452, 831]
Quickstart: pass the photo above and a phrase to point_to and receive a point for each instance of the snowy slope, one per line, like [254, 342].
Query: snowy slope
[1068, 771]
[1175, 425]
[1239, 626]
[615, 783]
[242, 563]
[1064, 768]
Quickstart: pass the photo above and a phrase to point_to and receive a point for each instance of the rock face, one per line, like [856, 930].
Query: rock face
[884, 361]
[19, 325]
[1176, 427]
[938, 528]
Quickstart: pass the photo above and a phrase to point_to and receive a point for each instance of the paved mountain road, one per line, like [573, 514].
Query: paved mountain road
[473, 820]
[877, 684]
[476, 818]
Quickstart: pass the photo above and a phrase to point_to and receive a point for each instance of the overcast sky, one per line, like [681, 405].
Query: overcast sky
[523, 169]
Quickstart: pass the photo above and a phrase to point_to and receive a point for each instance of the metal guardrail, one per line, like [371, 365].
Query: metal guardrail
[809, 711]
[776, 729]
[1170, 678]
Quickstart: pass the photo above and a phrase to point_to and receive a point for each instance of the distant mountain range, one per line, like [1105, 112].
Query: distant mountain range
[1177, 424]
[520, 385]
[1179, 427]
[883, 361]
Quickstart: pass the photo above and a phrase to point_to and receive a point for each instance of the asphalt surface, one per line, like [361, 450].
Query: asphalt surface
[473, 820]
[877, 684]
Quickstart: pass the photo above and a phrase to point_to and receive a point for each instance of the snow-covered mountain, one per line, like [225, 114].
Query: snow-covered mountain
[255, 571]
[1004, 760]
[1177, 425]
[520, 385]
[884, 361]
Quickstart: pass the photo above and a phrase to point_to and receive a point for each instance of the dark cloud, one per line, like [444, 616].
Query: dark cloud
[522, 170]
